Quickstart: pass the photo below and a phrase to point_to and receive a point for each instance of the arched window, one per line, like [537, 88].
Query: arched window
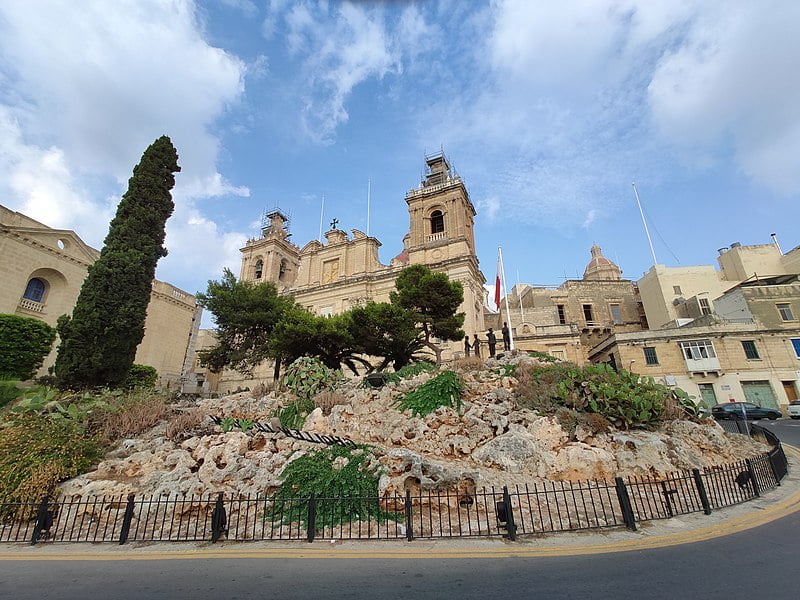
[437, 222]
[259, 268]
[35, 290]
[282, 269]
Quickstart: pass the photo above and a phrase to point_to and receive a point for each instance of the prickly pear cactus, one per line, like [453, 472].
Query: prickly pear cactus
[307, 376]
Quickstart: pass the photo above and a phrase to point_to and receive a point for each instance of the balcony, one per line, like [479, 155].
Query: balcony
[702, 365]
[31, 305]
[433, 237]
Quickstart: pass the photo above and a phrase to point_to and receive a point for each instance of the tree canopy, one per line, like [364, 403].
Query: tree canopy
[246, 314]
[433, 301]
[99, 340]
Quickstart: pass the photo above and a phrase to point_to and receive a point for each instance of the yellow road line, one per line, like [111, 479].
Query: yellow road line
[737, 524]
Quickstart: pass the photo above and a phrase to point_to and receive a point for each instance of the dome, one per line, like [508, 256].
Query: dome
[600, 267]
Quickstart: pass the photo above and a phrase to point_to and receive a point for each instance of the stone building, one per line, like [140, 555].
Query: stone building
[727, 334]
[41, 273]
[568, 320]
[344, 271]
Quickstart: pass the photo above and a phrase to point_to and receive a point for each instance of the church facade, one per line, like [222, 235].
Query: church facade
[345, 271]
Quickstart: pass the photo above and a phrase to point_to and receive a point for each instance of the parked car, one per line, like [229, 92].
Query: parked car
[737, 410]
[794, 409]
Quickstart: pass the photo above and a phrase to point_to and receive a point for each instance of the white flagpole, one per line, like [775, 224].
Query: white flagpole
[321, 216]
[508, 313]
[644, 222]
[369, 192]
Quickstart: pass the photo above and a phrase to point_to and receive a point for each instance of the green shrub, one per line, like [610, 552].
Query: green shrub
[442, 390]
[542, 356]
[307, 376]
[343, 481]
[622, 398]
[140, 376]
[411, 370]
[36, 453]
[8, 392]
[293, 415]
[24, 342]
[537, 386]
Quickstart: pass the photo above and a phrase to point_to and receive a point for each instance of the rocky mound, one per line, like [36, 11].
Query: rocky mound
[490, 442]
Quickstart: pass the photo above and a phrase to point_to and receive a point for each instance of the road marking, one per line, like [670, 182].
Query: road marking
[522, 549]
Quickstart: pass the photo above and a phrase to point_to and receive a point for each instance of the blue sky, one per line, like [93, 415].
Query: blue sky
[547, 110]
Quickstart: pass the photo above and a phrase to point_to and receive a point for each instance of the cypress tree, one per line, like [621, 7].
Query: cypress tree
[98, 343]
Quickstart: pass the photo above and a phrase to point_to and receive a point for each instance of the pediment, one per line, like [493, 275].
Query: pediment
[61, 241]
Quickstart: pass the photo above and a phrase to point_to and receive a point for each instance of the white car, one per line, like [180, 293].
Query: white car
[794, 409]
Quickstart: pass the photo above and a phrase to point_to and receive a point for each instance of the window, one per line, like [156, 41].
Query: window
[282, 269]
[705, 307]
[676, 289]
[698, 350]
[557, 354]
[34, 290]
[785, 309]
[796, 346]
[562, 315]
[616, 314]
[650, 356]
[259, 268]
[437, 221]
[587, 313]
[750, 350]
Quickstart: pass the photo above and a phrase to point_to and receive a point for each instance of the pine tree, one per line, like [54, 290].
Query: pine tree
[98, 343]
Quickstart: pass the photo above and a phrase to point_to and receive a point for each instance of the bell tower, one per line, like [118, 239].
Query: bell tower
[272, 257]
[441, 233]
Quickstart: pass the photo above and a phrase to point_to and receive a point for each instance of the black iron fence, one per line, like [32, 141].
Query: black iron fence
[539, 508]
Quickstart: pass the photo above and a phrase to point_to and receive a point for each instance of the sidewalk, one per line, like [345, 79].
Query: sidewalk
[684, 529]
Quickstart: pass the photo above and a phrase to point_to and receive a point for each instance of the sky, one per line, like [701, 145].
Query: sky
[547, 110]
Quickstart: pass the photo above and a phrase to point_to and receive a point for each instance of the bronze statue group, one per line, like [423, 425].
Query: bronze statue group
[491, 341]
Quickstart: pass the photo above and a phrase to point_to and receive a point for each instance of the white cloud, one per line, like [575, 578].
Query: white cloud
[41, 184]
[92, 89]
[340, 47]
[734, 78]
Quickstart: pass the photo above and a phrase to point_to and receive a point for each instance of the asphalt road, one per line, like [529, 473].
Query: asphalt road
[787, 430]
[760, 562]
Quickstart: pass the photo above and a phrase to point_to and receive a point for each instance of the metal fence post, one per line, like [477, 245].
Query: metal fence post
[625, 504]
[701, 490]
[44, 520]
[409, 517]
[756, 488]
[511, 527]
[127, 518]
[312, 517]
[219, 519]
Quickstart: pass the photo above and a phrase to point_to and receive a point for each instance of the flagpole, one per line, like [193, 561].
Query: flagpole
[508, 313]
[321, 215]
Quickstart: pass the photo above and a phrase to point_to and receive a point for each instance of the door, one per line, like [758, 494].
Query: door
[790, 389]
[708, 397]
[759, 393]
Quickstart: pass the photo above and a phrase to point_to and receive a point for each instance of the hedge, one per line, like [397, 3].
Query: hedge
[24, 342]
